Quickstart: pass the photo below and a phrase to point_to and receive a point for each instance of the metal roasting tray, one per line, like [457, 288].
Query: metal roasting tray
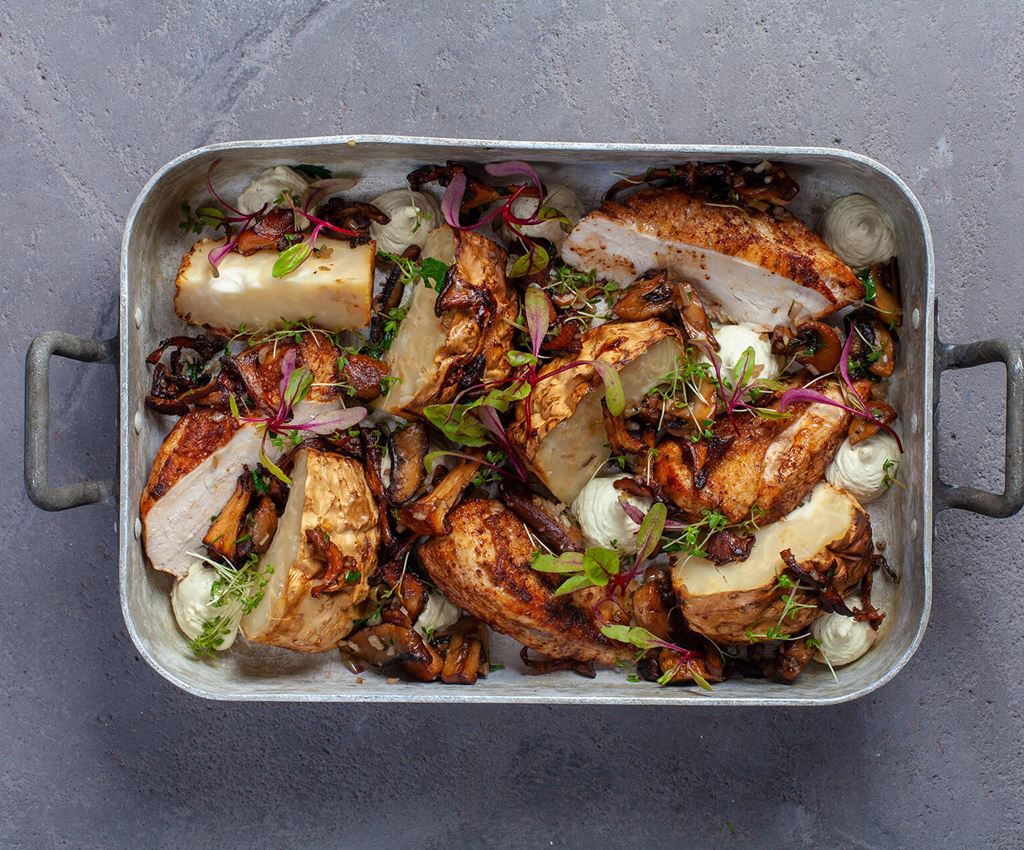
[152, 248]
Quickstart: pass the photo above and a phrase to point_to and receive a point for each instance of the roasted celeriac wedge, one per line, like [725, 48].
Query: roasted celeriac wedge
[564, 441]
[742, 601]
[332, 289]
[329, 496]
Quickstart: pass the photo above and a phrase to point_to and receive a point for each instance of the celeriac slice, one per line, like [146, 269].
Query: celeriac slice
[332, 289]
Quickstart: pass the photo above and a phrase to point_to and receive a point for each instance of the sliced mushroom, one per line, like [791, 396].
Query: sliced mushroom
[258, 529]
[387, 645]
[563, 338]
[861, 428]
[818, 347]
[704, 403]
[222, 537]
[372, 448]
[362, 376]
[462, 661]
[338, 566]
[793, 656]
[694, 316]
[707, 665]
[620, 438]
[654, 603]
[540, 518]
[649, 296]
[429, 513]
[872, 349]
[885, 277]
[407, 448]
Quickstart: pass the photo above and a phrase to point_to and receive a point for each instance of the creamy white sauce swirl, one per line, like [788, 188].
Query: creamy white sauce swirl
[861, 470]
[413, 215]
[843, 639]
[602, 520]
[859, 231]
[438, 614]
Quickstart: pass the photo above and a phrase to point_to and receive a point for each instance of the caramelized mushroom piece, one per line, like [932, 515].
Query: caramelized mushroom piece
[340, 569]
[564, 338]
[707, 665]
[649, 296]
[258, 529]
[371, 439]
[620, 439]
[817, 347]
[407, 448]
[885, 277]
[860, 428]
[695, 318]
[654, 603]
[267, 231]
[362, 376]
[704, 403]
[463, 660]
[222, 536]
[793, 656]
[387, 645]
[393, 289]
[429, 513]
[873, 349]
[539, 516]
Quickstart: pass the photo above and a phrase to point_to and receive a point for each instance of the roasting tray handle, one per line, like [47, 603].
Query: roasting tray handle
[37, 420]
[964, 356]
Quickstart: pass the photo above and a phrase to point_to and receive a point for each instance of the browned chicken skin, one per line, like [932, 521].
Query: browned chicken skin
[770, 463]
[483, 566]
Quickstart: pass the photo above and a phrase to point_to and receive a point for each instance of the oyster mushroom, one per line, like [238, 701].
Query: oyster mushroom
[407, 448]
[390, 645]
[429, 513]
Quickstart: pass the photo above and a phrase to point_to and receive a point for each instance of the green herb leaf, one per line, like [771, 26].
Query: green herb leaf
[568, 562]
[521, 358]
[573, 584]
[291, 258]
[433, 273]
[649, 534]
[531, 263]
[637, 636]
[614, 394]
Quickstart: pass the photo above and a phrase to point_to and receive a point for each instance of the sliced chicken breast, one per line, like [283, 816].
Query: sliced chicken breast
[770, 463]
[192, 477]
[483, 566]
[746, 265]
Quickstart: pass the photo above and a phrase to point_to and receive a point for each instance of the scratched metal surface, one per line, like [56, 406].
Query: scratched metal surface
[98, 751]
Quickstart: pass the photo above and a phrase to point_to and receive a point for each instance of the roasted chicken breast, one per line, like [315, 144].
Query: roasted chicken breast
[483, 566]
[770, 463]
[746, 265]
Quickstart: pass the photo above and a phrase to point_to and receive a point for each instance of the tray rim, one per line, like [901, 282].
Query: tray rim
[660, 697]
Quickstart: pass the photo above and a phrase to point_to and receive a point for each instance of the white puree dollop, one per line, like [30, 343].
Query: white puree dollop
[190, 601]
[843, 639]
[560, 198]
[859, 231]
[438, 614]
[267, 186]
[602, 520]
[861, 470]
[733, 340]
[413, 215]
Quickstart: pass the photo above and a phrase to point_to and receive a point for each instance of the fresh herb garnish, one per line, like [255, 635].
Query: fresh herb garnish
[430, 271]
[237, 591]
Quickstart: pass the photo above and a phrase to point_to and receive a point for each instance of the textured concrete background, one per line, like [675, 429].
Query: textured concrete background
[97, 751]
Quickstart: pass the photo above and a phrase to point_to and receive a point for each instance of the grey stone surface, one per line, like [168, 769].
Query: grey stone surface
[97, 751]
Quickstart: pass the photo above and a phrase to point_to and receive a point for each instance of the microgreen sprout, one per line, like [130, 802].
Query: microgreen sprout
[235, 591]
[295, 386]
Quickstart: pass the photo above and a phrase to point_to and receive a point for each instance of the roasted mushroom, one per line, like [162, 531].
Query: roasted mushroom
[429, 513]
[389, 645]
[872, 350]
[886, 280]
[815, 345]
[362, 376]
[407, 448]
[650, 296]
[224, 532]
[543, 518]
[861, 428]
[694, 316]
